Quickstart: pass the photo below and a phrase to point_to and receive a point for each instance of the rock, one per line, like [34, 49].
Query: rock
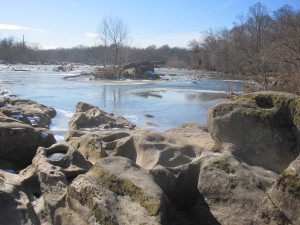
[29, 105]
[281, 205]
[166, 149]
[19, 142]
[29, 112]
[260, 128]
[233, 189]
[148, 116]
[47, 179]
[15, 207]
[3, 101]
[89, 144]
[88, 116]
[145, 147]
[66, 68]
[117, 191]
[19, 139]
[98, 144]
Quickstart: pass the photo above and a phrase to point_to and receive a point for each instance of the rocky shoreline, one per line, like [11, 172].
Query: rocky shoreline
[244, 168]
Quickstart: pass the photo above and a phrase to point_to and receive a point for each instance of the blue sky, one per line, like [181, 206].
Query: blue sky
[69, 23]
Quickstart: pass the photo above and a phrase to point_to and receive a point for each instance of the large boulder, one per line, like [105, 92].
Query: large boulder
[29, 112]
[89, 116]
[232, 189]
[117, 191]
[260, 128]
[281, 206]
[19, 142]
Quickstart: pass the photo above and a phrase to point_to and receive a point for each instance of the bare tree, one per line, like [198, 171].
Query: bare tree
[103, 35]
[114, 32]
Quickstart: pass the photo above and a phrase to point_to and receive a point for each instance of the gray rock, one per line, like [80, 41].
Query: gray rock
[47, 179]
[87, 116]
[15, 207]
[117, 191]
[233, 189]
[19, 142]
[260, 128]
[281, 205]
[29, 112]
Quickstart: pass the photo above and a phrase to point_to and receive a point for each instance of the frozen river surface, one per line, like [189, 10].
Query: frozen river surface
[181, 97]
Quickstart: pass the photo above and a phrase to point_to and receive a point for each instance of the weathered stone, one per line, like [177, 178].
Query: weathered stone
[117, 191]
[3, 101]
[233, 189]
[260, 128]
[90, 146]
[48, 177]
[167, 149]
[29, 112]
[15, 207]
[87, 116]
[281, 205]
[19, 142]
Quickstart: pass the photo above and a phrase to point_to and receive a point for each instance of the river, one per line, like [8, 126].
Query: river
[181, 97]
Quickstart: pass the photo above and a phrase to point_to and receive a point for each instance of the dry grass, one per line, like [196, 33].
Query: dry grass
[282, 82]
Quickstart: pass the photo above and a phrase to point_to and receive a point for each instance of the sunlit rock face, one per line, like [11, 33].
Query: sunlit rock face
[260, 128]
[88, 116]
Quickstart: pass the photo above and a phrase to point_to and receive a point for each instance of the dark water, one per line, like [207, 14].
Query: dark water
[172, 102]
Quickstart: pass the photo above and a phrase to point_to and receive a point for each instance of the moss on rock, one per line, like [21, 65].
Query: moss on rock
[223, 166]
[86, 197]
[271, 105]
[121, 186]
[289, 181]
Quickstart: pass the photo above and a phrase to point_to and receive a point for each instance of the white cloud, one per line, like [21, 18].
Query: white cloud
[15, 27]
[93, 35]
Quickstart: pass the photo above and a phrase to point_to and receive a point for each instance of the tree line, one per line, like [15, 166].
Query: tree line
[261, 44]
[12, 50]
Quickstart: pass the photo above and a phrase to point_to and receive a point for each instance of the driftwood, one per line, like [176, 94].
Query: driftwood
[138, 70]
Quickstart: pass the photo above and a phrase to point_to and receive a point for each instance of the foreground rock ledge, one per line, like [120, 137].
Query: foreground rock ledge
[112, 173]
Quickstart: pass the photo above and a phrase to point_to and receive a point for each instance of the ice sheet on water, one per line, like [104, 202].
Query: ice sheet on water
[132, 118]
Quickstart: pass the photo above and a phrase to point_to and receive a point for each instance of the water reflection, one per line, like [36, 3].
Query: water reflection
[148, 94]
[204, 96]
